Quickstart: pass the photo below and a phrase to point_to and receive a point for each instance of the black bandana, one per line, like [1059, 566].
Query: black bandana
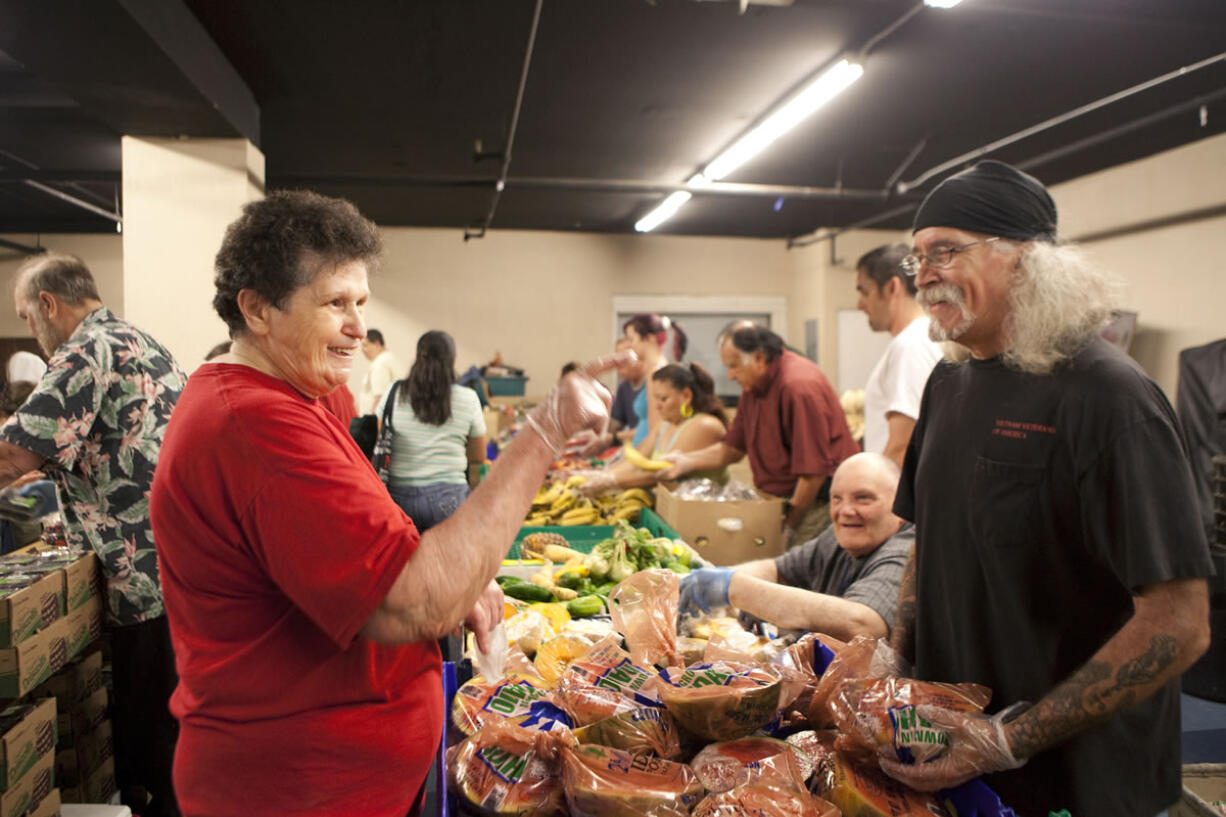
[992, 198]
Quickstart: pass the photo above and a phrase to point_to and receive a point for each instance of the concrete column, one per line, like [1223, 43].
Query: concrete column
[178, 197]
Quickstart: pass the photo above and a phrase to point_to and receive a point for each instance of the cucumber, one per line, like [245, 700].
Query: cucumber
[585, 606]
[526, 591]
[504, 581]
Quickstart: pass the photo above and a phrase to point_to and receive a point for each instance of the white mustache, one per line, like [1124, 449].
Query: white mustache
[935, 293]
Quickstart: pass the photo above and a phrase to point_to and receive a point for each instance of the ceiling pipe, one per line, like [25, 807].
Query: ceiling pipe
[501, 184]
[958, 161]
[1059, 153]
[588, 185]
[73, 200]
[24, 248]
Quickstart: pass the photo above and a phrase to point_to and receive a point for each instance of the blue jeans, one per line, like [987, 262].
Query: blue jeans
[427, 505]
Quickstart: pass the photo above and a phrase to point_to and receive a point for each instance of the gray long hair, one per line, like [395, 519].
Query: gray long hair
[1058, 301]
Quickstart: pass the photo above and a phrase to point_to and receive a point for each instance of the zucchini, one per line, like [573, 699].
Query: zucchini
[526, 591]
[504, 581]
[585, 606]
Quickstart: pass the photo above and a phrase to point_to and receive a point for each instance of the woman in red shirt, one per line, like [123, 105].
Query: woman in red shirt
[303, 604]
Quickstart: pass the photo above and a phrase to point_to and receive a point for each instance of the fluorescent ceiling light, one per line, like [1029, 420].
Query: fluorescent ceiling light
[942, 4]
[662, 213]
[783, 119]
[786, 117]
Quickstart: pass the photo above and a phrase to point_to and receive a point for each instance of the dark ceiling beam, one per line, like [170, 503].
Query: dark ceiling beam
[173, 27]
[24, 248]
[28, 175]
[580, 186]
[144, 69]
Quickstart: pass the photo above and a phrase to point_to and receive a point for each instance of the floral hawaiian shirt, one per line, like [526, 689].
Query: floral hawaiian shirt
[98, 417]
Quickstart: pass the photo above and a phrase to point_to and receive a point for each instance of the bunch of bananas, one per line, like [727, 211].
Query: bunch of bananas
[558, 503]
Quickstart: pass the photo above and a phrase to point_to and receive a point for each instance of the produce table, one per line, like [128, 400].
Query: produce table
[584, 537]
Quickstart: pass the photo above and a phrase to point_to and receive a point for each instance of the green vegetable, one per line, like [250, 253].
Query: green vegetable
[604, 589]
[526, 591]
[504, 581]
[678, 567]
[585, 606]
[571, 580]
[621, 567]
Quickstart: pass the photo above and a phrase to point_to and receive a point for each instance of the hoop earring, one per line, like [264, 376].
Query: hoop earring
[687, 411]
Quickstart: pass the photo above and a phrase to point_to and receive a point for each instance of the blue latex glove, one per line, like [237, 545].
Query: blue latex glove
[703, 589]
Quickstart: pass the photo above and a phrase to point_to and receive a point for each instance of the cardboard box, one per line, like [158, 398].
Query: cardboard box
[82, 581]
[99, 785]
[34, 660]
[74, 683]
[725, 533]
[27, 740]
[84, 718]
[67, 768]
[94, 748]
[26, 611]
[84, 626]
[81, 577]
[34, 787]
[49, 807]
[1204, 785]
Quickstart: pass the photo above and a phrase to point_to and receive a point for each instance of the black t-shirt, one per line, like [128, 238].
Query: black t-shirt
[1040, 503]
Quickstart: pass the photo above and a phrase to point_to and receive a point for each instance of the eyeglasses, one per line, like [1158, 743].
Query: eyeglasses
[938, 258]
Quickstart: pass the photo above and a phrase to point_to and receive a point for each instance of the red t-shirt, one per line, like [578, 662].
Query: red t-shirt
[791, 425]
[276, 543]
[339, 401]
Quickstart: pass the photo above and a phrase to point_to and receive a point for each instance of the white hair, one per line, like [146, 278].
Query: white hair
[1058, 300]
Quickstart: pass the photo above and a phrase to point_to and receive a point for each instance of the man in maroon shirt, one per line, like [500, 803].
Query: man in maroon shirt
[790, 424]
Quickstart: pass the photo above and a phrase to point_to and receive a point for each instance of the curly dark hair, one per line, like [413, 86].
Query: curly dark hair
[700, 383]
[281, 243]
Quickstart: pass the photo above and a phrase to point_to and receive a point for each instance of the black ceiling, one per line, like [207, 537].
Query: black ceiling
[382, 101]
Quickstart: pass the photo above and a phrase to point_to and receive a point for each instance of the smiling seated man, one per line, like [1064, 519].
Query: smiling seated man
[843, 583]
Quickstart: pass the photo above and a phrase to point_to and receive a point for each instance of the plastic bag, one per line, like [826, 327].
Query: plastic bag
[853, 661]
[876, 714]
[707, 490]
[556, 654]
[605, 782]
[644, 611]
[509, 770]
[605, 682]
[864, 791]
[722, 701]
[764, 761]
[492, 665]
[646, 730]
[529, 630]
[479, 703]
[758, 800]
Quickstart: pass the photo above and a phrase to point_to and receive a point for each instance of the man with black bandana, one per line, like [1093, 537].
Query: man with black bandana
[1059, 558]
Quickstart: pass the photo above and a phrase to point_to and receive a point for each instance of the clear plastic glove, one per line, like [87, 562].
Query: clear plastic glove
[682, 464]
[579, 402]
[977, 746]
[586, 443]
[703, 589]
[485, 616]
[595, 482]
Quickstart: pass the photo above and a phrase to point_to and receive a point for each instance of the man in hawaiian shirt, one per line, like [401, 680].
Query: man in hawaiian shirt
[95, 425]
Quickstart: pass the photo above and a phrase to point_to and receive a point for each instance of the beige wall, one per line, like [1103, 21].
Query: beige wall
[541, 298]
[103, 253]
[544, 298]
[1175, 277]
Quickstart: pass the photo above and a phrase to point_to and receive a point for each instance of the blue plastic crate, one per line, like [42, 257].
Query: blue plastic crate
[506, 386]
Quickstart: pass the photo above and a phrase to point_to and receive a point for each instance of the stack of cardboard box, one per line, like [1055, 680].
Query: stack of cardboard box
[84, 758]
[27, 744]
[50, 612]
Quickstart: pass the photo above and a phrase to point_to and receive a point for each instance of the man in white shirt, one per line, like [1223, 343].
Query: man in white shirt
[384, 370]
[892, 395]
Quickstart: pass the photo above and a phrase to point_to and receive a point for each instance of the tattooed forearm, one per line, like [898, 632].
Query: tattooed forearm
[1150, 665]
[902, 632]
[1091, 696]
